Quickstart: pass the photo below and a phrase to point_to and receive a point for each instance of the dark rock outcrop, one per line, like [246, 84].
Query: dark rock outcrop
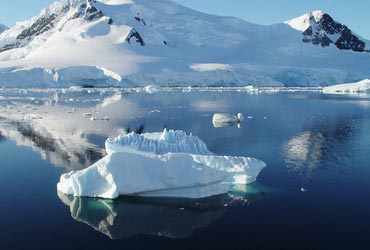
[324, 31]
[137, 36]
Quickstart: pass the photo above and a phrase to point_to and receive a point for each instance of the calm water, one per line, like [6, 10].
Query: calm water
[314, 194]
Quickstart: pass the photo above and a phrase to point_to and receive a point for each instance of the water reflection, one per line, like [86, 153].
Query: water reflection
[322, 143]
[53, 149]
[51, 122]
[173, 218]
[2, 137]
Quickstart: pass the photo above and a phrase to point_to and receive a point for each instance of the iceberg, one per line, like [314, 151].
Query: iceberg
[355, 87]
[222, 120]
[167, 164]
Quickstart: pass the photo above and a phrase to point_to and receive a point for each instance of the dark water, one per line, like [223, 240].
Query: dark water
[314, 194]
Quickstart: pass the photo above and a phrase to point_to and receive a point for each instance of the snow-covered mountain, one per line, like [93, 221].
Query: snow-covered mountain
[142, 42]
[2, 28]
[320, 28]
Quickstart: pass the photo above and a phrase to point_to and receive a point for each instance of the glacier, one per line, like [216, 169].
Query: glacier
[135, 43]
[362, 86]
[167, 164]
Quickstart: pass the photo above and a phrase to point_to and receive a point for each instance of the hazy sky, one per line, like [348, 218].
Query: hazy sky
[354, 14]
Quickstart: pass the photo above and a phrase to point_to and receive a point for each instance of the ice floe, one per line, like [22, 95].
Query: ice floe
[167, 164]
[221, 120]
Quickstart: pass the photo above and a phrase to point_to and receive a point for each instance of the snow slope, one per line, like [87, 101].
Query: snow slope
[142, 42]
[168, 164]
[2, 28]
[355, 87]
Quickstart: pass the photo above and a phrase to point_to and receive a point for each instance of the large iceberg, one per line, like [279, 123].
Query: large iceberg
[168, 164]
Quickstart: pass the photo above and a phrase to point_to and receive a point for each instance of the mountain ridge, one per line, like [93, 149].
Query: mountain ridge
[138, 42]
[319, 28]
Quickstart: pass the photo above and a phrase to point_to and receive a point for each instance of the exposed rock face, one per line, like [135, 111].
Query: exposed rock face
[324, 31]
[139, 19]
[136, 35]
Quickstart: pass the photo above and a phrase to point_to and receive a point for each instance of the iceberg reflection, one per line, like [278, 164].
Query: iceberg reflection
[168, 217]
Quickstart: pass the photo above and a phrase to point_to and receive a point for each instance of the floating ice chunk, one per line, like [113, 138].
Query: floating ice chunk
[168, 164]
[133, 174]
[221, 120]
[150, 89]
[355, 87]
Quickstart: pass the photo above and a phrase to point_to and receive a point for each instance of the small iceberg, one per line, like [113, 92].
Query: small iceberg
[222, 120]
[167, 164]
[355, 87]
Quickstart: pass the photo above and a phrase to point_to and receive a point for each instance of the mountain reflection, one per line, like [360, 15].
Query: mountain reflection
[50, 148]
[168, 217]
[322, 143]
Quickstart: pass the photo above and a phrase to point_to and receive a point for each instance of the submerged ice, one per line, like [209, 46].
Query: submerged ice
[168, 164]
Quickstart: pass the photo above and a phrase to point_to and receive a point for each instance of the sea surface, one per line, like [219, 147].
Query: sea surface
[313, 194]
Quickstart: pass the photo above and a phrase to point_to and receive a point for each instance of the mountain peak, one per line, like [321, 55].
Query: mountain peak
[319, 28]
[53, 17]
[2, 28]
[317, 15]
[302, 23]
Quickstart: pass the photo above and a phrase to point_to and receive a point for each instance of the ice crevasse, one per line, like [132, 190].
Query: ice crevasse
[163, 164]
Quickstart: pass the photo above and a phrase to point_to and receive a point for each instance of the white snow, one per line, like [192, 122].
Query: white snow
[117, 2]
[302, 23]
[133, 174]
[168, 164]
[183, 47]
[354, 87]
[210, 67]
[2, 28]
[157, 143]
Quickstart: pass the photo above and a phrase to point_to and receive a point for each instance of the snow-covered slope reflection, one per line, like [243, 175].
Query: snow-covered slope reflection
[55, 123]
[56, 150]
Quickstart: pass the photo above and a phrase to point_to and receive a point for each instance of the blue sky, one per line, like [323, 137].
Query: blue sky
[354, 14]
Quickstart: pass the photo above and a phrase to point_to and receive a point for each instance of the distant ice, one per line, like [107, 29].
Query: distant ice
[354, 87]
